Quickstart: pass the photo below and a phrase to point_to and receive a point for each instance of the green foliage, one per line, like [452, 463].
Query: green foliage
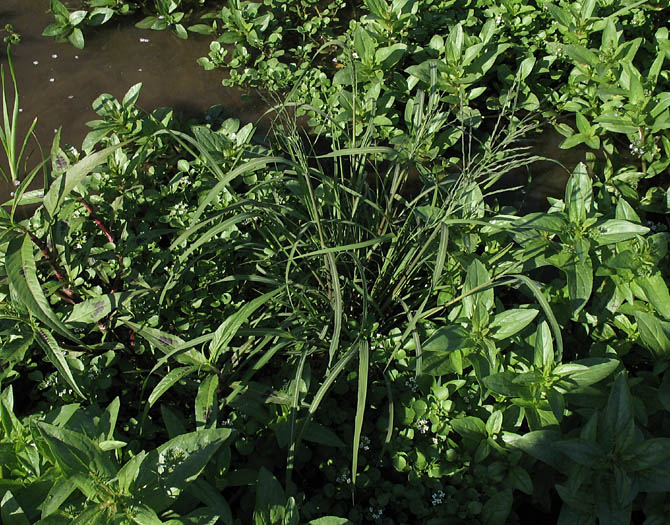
[344, 322]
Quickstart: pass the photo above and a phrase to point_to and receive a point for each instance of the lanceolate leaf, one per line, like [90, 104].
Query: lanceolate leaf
[580, 276]
[172, 377]
[653, 334]
[57, 356]
[179, 461]
[63, 185]
[656, 290]
[22, 273]
[75, 452]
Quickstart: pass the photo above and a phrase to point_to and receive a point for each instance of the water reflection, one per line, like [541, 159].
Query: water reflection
[58, 83]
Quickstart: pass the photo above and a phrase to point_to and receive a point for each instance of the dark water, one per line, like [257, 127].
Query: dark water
[58, 83]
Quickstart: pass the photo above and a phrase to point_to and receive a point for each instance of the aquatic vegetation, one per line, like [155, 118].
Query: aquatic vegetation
[344, 321]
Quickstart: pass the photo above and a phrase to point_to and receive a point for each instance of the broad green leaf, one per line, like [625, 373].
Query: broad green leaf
[166, 343]
[437, 350]
[656, 290]
[178, 462]
[580, 276]
[579, 194]
[143, 515]
[510, 322]
[128, 473]
[619, 421]
[56, 355]
[582, 55]
[75, 452]
[131, 95]
[580, 451]
[585, 372]
[91, 310]
[543, 354]
[364, 45]
[387, 57]
[470, 427]
[318, 433]
[647, 454]
[57, 495]
[477, 278]
[539, 444]
[270, 499]
[494, 422]
[63, 185]
[504, 383]
[111, 444]
[518, 477]
[653, 334]
[22, 273]
[496, 510]
[168, 381]
[11, 511]
[206, 400]
[454, 45]
[617, 230]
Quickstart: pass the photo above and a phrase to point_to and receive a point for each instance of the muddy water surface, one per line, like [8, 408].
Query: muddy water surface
[58, 83]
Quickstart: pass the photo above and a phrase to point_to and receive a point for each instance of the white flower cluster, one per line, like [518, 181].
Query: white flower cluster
[344, 477]
[411, 384]
[422, 425]
[438, 497]
[376, 513]
[364, 443]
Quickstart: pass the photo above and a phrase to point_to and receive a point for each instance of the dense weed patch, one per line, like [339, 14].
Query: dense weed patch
[343, 321]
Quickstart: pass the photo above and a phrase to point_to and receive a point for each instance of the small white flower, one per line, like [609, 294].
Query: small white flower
[354, 54]
[76, 57]
[70, 97]
[35, 62]
[437, 497]
[140, 70]
[144, 40]
[422, 425]
[17, 182]
[54, 55]
[20, 110]
[52, 79]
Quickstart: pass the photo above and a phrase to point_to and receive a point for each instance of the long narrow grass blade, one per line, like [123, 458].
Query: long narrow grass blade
[229, 327]
[358, 151]
[441, 254]
[337, 308]
[363, 369]
[22, 273]
[215, 230]
[325, 386]
[348, 247]
[247, 167]
[295, 400]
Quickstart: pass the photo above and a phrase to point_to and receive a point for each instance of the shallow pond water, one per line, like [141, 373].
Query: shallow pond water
[58, 83]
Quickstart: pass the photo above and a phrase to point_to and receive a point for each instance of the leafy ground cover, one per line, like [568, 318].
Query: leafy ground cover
[347, 321]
